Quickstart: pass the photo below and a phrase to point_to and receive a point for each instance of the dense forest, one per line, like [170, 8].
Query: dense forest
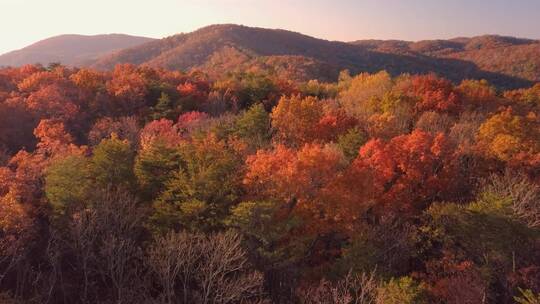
[144, 185]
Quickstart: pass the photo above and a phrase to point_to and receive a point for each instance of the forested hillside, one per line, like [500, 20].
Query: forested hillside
[224, 49]
[74, 50]
[218, 49]
[143, 185]
[509, 56]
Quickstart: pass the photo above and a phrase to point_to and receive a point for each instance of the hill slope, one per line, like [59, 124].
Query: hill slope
[218, 49]
[70, 49]
[508, 56]
[226, 48]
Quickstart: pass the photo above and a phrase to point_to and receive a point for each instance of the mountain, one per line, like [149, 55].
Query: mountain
[70, 49]
[505, 56]
[217, 49]
[221, 48]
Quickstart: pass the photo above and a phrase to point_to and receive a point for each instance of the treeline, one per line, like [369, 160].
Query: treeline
[143, 185]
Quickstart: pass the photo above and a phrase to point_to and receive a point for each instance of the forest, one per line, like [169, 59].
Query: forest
[145, 185]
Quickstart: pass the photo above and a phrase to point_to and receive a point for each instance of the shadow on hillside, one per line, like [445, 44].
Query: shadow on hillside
[453, 69]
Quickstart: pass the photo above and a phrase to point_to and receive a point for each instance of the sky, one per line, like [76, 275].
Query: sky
[23, 22]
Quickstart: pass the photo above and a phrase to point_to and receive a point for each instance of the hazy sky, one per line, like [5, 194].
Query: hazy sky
[26, 21]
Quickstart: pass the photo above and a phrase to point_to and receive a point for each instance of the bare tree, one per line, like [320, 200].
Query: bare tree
[353, 289]
[224, 275]
[104, 240]
[434, 122]
[174, 258]
[206, 269]
[523, 194]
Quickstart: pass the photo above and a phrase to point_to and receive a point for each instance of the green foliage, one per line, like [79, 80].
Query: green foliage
[154, 166]
[199, 195]
[255, 88]
[165, 108]
[223, 127]
[248, 88]
[402, 291]
[67, 182]
[254, 127]
[484, 232]
[112, 163]
[320, 90]
[351, 142]
[258, 220]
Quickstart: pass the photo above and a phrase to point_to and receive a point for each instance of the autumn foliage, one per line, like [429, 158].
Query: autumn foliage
[142, 185]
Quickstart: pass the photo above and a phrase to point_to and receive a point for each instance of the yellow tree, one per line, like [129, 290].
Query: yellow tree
[508, 136]
[295, 119]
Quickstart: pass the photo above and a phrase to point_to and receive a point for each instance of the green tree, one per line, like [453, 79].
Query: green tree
[351, 142]
[112, 163]
[485, 233]
[199, 195]
[67, 182]
[154, 166]
[254, 126]
[255, 88]
[165, 108]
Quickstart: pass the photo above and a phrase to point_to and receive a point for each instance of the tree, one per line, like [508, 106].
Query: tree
[352, 289]
[351, 142]
[190, 122]
[112, 163]
[162, 131]
[204, 269]
[482, 237]
[53, 138]
[129, 89]
[201, 192]
[247, 89]
[68, 183]
[362, 90]
[312, 183]
[105, 238]
[454, 281]
[126, 128]
[529, 96]
[254, 127]
[524, 195]
[409, 171]
[295, 119]
[16, 126]
[165, 108]
[477, 93]
[433, 94]
[53, 102]
[155, 165]
[88, 79]
[333, 123]
[403, 291]
[508, 136]
[434, 123]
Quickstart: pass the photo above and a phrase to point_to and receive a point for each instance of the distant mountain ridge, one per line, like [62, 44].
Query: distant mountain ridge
[71, 50]
[507, 62]
[218, 49]
[516, 57]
